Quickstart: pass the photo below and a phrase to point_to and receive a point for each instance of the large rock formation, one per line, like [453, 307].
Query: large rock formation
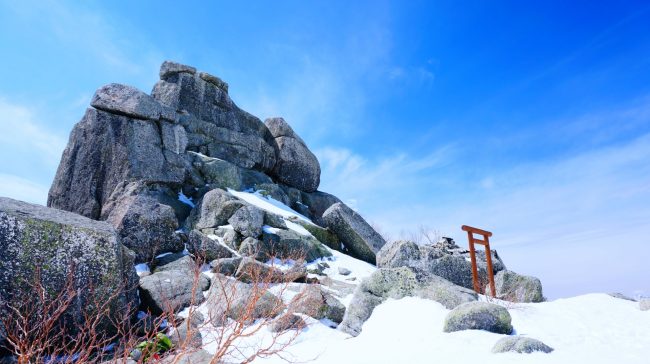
[148, 160]
[61, 245]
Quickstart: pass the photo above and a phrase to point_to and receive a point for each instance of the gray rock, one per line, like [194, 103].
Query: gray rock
[317, 203]
[186, 335]
[621, 296]
[250, 271]
[196, 319]
[59, 243]
[129, 101]
[644, 304]
[446, 293]
[274, 191]
[103, 151]
[357, 235]
[274, 220]
[189, 357]
[167, 258]
[169, 68]
[288, 321]
[296, 165]
[145, 226]
[479, 316]
[214, 80]
[230, 298]
[248, 221]
[444, 259]
[207, 248]
[225, 266]
[215, 125]
[188, 267]
[455, 269]
[514, 287]
[288, 244]
[317, 303]
[520, 344]
[399, 253]
[344, 271]
[321, 234]
[177, 261]
[219, 173]
[214, 209]
[252, 247]
[171, 291]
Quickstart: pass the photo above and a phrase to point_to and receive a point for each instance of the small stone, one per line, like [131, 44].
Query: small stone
[520, 344]
[344, 271]
[136, 354]
[644, 304]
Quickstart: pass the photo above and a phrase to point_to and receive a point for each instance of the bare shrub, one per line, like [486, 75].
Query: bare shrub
[37, 325]
[234, 314]
[423, 235]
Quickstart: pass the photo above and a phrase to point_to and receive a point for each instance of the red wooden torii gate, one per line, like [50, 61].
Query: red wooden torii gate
[488, 256]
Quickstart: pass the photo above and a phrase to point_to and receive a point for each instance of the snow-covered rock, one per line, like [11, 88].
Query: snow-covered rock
[520, 344]
[479, 316]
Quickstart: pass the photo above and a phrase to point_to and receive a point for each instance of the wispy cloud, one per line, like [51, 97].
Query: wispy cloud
[22, 189]
[352, 176]
[22, 134]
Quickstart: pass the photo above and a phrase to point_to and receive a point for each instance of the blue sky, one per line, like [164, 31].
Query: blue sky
[529, 120]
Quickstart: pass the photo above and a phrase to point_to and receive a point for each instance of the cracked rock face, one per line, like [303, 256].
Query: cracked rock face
[188, 134]
[159, 166]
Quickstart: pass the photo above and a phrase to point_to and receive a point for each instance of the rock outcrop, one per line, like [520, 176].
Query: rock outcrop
[444, 259]
[58, 245]
[153, 165]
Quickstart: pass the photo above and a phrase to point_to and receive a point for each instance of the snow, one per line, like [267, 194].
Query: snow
[592, 329]
[163, 255]
[268, 204]
[359, 269]
[222, 243]
[142, 269]
[184, 199]
[270, 230]
[296, 227]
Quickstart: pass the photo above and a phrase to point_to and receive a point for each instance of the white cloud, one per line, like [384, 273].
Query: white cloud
[351, 176]
[21, 133]
[22, 189]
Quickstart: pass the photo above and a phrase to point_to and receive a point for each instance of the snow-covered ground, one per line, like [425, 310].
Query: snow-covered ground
[594, 328]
